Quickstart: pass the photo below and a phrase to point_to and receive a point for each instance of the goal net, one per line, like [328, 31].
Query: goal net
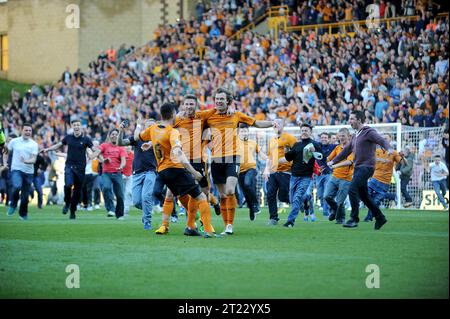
[423, 143]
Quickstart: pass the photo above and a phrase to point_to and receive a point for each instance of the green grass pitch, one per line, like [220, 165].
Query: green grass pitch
[312, 260]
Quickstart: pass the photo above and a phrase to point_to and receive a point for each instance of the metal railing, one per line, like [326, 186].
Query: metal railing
[336, 27]
[274, 11]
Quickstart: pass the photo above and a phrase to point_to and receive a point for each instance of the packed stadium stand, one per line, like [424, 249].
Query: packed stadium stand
[318, 62]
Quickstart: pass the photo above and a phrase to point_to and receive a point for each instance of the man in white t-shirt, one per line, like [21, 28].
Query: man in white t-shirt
[439, 173]
[24, 153]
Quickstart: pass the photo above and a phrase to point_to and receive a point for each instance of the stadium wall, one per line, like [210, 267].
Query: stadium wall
[3, 17]
[41, 45]
[3, 27]
[105, 23]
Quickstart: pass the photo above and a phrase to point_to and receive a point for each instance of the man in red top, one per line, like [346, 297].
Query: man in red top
[113, 158]
[127, 179]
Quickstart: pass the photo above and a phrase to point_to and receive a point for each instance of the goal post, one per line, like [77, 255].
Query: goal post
[423, 142]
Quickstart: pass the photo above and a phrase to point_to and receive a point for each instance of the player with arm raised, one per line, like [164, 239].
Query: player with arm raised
[190, 124]
[225, 158]
[174, 168]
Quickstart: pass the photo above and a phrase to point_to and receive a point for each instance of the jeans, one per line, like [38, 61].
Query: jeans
[359, 191]
[238, 192]
[308, 203]
[142, 194]
[378, 191]
[247, 181]
[322, 182]
[21, 184]
[404, 181]
[38, 181]
[298, 194]
[335, 194]
[96, 188]
[73, 176]
[128, 197]
[278, 183]
[113, 182]
[440, 186]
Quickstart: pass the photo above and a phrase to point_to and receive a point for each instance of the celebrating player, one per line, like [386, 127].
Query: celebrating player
[278, 175]
[225, 158]
[247, 174]
[174, 168]
[190, 124]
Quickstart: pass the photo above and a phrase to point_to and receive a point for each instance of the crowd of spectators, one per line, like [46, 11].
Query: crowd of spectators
[397, 74]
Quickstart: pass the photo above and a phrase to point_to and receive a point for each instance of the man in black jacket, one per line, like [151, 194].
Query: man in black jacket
[303, 156]
[405, 168]
[40, 166]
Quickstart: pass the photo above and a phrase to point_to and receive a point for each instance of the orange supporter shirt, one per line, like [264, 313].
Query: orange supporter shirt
[191, 130]
[343, 172]
[247, 151]
[278, 146]
[164, 138]
[384, 165]
[282, 114]
[203, 28]
[224, 132]
[95, 165]
[228, 30]
[326, 14]
[348, 14]
[260, 116]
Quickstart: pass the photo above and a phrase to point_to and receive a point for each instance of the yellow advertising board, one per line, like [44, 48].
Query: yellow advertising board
[430, 201]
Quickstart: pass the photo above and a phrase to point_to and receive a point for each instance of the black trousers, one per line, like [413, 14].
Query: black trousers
[403, 186]
[159, 192]
[359, 191]
[278, 183]
[247, 182]
[73, 177]
[88, 186]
